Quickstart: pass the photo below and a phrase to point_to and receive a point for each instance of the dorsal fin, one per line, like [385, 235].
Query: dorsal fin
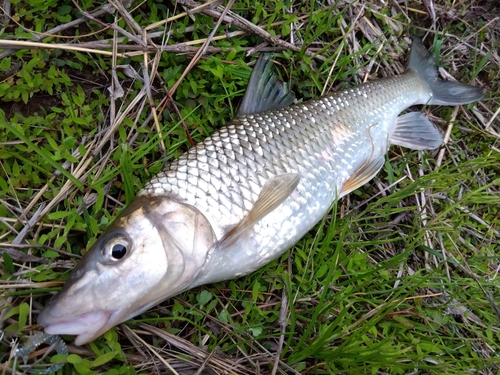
[273, 193]
[265, 90]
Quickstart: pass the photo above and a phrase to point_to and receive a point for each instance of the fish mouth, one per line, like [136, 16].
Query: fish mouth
[86, 326]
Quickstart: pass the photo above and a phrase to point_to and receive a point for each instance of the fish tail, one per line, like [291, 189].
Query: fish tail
[443, 92]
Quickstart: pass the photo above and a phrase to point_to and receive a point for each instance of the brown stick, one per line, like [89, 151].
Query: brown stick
[240, 22]
[105, 9]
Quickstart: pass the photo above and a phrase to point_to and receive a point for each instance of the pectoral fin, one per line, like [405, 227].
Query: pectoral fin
[273, 193]
[416, 132]
[362, 175]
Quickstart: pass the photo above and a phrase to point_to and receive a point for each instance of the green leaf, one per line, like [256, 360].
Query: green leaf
[256, 331]
[64, 9]
[69, 142]
[87, 219]
[25, 97]
[223, 316]
[230, 56]
[300, 366]
[406, 322]
[3, 183]
[50, 254]
[218, 71]
[74, 358]
[58, 215]
[255, 291]
[24, 311]
[59, 358]
[83, 368]
[12, 312]
[8, 263]
[99, 361]
[128, 178]
[59, 241]
[204, 297]
[43, 153]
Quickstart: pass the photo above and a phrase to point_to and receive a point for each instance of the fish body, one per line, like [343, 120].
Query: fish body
[242, 197]
[325, 141]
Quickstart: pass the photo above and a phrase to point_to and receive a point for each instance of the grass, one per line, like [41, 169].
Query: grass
[400, 277]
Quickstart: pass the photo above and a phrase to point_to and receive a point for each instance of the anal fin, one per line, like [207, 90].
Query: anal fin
[273, 193]
[362, 175]
[413, 130]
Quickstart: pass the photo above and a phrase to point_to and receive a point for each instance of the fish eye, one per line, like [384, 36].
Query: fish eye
[118, 251]
[115, 248]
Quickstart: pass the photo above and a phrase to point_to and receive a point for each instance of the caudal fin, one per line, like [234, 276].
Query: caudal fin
[443, 92]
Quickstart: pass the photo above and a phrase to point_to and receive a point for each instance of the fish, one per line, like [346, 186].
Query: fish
[249, 192]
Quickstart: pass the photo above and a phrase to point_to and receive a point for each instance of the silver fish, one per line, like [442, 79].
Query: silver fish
[246, 194]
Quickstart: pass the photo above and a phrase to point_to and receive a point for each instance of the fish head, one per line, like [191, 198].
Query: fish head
[153, 250]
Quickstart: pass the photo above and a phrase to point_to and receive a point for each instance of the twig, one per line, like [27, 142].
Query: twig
[422, 203]
[21, 256]
[193, 62]
[31, 222]
[116, 88]
[112, 26]
[163, 22]
[204, 364]
[118, 5]
[151, 349]
[447, 136]
[189, 348]
[181, 119]
[102, 47]
[140, 95]
[387, 188]
[240, 22]
[202, 50]
[180, 15]
[19, 44]
[466, 268]
[147, 85]
[79, 173]
[283, 324]
[488, 124]
[105, 9]
[239, 338]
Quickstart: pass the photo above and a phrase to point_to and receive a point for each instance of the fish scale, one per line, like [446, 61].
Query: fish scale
[324, 140]
[247, 193]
